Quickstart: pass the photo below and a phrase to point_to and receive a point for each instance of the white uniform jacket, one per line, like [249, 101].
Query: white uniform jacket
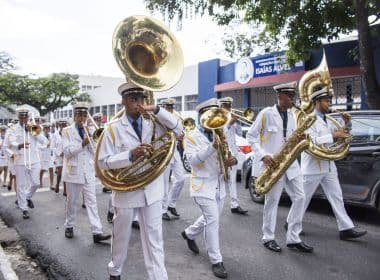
[266, 138]
[78, 163]
[46, 152]
[320, 133]
[206, 177]
[119, 140]
[16, 137]
[57, 148]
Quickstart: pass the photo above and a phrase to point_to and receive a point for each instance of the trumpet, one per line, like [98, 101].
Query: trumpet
[215, 119]
[245, 116]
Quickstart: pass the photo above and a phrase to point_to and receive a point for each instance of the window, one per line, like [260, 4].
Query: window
[111, 110]
[119, 107]
[104, 110]
[70, 113]
[191, 102]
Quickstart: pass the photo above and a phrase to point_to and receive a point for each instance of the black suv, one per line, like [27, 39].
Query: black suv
[359, 172]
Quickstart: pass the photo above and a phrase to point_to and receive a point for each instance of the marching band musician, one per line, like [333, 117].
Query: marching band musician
[126, 140]
[323, 172]
[79, 173]
[273, 126]
[46, 153]
[232, 131]
[207, 188]
[10, 159]
[175, 167]
[58, 153]
[3, 155]
[26, 160]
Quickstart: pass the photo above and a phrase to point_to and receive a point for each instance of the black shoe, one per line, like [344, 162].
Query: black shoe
[16, 202]
[30, 203]
[9, 187]
[100, 237]
[238, 210]
[64, 194]
[114, 277]
[135, 225]
[219, 270]
[166, 217]
[25, 214]
[4, 186]
[84, 206]
[286, 228]
[190, 243]
[109, 217]
[106, 190]
[351, 234]
[273, 246]
[302, 247]
[173, 211]
[69, 232]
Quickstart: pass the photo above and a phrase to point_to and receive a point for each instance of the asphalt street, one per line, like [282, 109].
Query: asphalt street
[244, 255]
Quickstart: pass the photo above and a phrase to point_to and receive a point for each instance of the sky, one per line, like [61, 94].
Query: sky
[75, 36]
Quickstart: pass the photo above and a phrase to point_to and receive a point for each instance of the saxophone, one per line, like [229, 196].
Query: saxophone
[305, 117]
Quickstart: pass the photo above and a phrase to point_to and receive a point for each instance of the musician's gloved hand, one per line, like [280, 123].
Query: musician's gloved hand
[143, 150]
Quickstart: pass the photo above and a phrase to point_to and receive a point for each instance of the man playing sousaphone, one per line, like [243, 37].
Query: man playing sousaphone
[323, 172]
[125, 141]
[268, 134]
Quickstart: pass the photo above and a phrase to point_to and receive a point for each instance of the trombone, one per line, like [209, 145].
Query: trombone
[245, 116]
[95, 135]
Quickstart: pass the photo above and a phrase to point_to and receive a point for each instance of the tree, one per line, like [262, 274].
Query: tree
[46, 94]
[304, 23]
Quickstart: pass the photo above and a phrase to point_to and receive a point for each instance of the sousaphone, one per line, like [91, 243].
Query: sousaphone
[150, 57]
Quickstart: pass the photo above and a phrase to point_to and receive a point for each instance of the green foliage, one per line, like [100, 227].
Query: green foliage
[45, 93]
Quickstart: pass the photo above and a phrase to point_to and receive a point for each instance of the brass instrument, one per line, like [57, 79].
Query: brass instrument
[245, 116]
[98, 130]
[188, 124]
[305, 117]
[215, 119]
[151, 58]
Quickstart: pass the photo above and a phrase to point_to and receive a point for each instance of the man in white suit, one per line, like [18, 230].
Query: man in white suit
[232, 131]
[125, 140]
[207, 188]
[79, 173]
[26, 160]
[175, 167]
[323, 172]
[47, 155]
[273, 126]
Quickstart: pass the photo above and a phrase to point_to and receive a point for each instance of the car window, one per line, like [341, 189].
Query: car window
[366, 129]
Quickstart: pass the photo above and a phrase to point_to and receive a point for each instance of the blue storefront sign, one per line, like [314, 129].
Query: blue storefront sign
[273, 64]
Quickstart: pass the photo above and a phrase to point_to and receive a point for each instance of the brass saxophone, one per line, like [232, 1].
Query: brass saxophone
[305, 117]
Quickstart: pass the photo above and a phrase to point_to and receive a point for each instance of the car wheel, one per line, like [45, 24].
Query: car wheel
[258, 198]
[186, 164]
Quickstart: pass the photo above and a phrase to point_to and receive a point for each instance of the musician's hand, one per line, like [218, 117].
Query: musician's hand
[231, 161]
[144, 150]
[301, 136]
[85, 141]
[23, 146]
[62, 154]
[269, 161]
[340, 134]
[233, 120]
[346, 117]
[147, 108]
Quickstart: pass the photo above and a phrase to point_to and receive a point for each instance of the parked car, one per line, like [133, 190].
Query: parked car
[359, 171]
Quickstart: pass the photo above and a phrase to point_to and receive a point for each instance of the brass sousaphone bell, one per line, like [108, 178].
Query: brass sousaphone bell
[150, 57]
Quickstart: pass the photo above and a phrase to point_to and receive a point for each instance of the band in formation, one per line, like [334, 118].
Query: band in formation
[127, 144]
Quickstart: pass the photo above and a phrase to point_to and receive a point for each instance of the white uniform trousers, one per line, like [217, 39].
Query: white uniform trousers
[297, 196]
[232, 187]
[171, 197]
[73, 192]
[27, 181]
[331, 187]
[208, 224]
[151, 239]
